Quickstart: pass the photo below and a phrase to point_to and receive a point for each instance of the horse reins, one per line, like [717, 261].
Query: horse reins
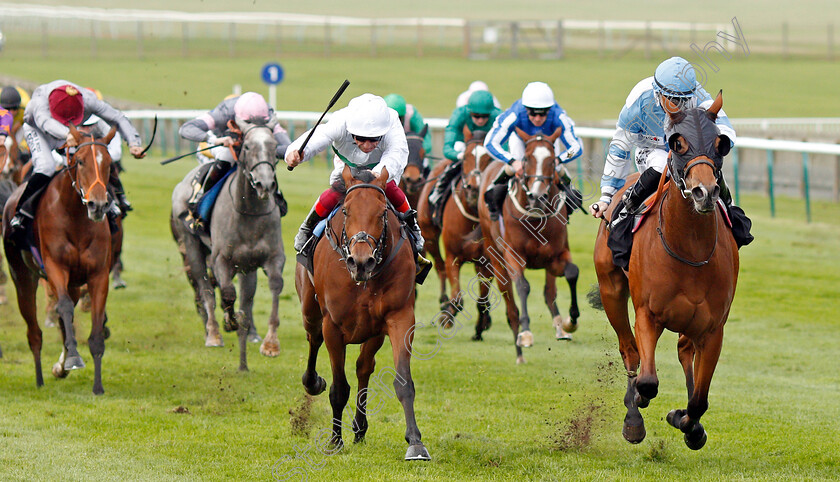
[378, 246]
[72, 165]
[248, 173]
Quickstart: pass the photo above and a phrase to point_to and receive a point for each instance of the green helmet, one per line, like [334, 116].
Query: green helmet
[396, 102]
[481, 102]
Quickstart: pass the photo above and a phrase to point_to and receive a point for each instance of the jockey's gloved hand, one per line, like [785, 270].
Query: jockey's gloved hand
[460, 156]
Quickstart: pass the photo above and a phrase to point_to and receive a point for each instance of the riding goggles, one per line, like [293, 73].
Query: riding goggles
[367, 139]
[537, 112]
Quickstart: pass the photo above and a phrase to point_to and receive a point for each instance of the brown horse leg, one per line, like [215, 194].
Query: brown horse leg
[453, 273]
[685, 352]
[364, 368]
[98, 291]
[340, 389]
[401, 335]
[312, 323]
[483, 303]
[26, 285]
[66, 306]
[524, 338]
[688, 421]
[512, 312]
[647, 334]
[432, 246]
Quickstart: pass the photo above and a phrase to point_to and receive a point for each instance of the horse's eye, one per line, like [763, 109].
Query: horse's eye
[344, 211]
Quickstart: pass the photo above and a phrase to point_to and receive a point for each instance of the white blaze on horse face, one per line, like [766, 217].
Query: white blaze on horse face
[99, 158]
[540, 154]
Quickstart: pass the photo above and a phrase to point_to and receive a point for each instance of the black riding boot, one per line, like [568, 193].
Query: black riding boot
[416, 237]
[620, 239]
[741, 224]
[305, 232]
[496, 193]
[28, 202]
[119, 191]
[574, 199]
[443, 183]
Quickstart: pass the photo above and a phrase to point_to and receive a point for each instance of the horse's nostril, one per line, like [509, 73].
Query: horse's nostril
[351, 261]
[369, 264]
[698, 193]
[716, 192]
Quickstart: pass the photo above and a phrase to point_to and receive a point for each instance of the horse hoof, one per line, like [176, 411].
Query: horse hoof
[320, 386]
[562, 335]
[231, 323]
[634, 433]
[477, 338]
[58, 371]
[696, 444]
[569, 325]
[214, 341]
[270, 349]
[417, 452]
[118, 284]
[674, 417]
[254, 338]
[525, 339]
[74, 363]
[520, 360]
[49, 323]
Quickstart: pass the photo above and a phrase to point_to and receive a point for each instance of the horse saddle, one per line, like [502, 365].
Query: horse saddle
[208, 199]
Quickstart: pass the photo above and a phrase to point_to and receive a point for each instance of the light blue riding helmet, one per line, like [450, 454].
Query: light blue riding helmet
[675, 77]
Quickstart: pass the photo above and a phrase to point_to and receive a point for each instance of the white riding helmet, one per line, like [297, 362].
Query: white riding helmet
[368, 116]
[537, 95]
[478, 85]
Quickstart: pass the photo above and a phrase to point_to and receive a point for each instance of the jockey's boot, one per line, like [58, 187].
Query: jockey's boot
[497, 192]
[741, 224]
[442, 184]
[22, 220]
[214, 174]
[280, 200]
[423, 265]
[119, 191]
[635, 195]
[305, 232]
[574, 199]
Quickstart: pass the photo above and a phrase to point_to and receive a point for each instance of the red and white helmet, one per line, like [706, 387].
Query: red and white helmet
[67, 105]
[251, 105]
[368, 116]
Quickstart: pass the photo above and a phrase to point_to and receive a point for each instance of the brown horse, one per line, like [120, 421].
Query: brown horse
[362, 289]
[461, 233]
[682, 276]
[414, 175]
[75, 246]
[531, 233]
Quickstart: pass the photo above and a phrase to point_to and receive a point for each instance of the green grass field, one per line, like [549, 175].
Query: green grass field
[772, 407]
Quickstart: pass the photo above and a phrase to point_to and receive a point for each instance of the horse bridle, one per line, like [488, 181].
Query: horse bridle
[249, 172]
[72, 164]
[537, 177]
[465, 176]
[377, 246]
[679, 176]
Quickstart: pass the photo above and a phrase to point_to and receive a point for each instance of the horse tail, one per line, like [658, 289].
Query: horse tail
[474, 236]
[594, 297]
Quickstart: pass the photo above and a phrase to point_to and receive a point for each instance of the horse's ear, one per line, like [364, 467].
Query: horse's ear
[424, 131]
[557, 133]
[108, 137]
[272, 123]
[468, 135]
[716, 105]
[75, 132]
[347, 176]
[382, 179]
[522, 135]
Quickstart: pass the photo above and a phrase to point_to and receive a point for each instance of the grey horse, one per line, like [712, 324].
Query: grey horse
[244, 235]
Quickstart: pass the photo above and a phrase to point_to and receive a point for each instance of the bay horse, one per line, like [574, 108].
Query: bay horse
[531, 233]
[414, 176]
[75, 247]
[361, 289]
[682, 275]
[461, 233]
[244, 236]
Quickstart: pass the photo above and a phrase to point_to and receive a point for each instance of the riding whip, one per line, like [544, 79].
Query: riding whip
[154, 131]
[331, 104]
[172, 159]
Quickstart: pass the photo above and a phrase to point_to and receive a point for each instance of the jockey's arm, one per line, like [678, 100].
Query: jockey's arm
[454, 134]
[324, 135]
[616, 169]
[569, 140]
